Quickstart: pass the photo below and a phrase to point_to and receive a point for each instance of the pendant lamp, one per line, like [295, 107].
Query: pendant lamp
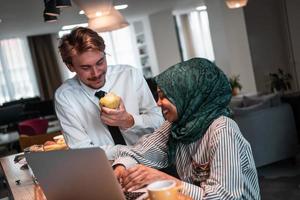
[49, 18]
[50, 8]
[109, 22]
[102, 16]
[236, 3]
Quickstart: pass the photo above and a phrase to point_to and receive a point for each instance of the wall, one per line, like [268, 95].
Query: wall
[266, 27]
[293, 16]
[164, 39]
[230, 42]
[229, 39]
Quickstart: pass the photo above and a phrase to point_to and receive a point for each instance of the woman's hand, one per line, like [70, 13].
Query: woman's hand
[119, 172]
[140, 176]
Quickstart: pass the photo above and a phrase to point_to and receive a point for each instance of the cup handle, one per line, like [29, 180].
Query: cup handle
[179, 188]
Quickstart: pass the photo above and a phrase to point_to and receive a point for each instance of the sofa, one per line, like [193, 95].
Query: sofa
[268, 125]
[294, 100]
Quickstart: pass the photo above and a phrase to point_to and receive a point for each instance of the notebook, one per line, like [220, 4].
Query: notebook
[75, 174]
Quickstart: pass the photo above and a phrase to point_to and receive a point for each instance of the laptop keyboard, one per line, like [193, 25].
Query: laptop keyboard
[133, 195]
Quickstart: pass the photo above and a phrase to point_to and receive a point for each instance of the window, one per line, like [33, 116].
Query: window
[194, 34]
[17, 77]
[119, 47]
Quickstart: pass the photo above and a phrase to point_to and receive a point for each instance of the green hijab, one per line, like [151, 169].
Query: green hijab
[201, 93]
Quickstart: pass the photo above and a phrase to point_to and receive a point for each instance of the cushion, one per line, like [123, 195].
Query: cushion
[248, 102]
[273, 99]
[251, 108]
[236, 103]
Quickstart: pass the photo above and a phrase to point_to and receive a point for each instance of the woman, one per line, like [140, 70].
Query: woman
[212, 158]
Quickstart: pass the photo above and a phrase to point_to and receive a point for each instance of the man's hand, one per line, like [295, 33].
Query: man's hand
[139, 176]
[117, 117]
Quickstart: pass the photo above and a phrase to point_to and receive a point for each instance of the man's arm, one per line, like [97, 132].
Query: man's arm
[149, 117]
[74, 132]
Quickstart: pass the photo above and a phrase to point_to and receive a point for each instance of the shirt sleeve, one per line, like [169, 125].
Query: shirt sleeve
[149, 117]
[73, 131]
[151, 150]
[226, 179]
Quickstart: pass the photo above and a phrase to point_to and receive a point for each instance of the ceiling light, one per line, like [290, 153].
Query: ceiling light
[201, 8]
[236, 3]
[63, 3]
[120, 7]
[81, 12]
[98, 14]
[67, 27]
[0, 20]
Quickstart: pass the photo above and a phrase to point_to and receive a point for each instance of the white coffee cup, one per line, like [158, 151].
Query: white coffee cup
[163, 190]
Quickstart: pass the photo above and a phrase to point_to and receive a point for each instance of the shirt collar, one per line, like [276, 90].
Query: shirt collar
[90, 91]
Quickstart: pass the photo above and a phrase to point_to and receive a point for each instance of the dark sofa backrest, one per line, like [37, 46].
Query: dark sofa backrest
[22, 101]
[11, 114]
[44, 108]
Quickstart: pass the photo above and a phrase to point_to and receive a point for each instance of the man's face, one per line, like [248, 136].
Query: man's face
[90, 67]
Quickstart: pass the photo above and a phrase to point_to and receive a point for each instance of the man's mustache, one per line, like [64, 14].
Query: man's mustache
[95, 78]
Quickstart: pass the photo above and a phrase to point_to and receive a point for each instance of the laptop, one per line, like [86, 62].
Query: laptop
[75, 174]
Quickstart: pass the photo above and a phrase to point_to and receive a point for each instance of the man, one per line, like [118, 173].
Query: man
[84, 123]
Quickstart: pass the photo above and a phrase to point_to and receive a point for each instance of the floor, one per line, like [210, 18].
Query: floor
[284, 168]
[278, 181]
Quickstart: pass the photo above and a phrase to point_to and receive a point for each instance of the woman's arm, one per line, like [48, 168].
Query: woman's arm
[151, 150]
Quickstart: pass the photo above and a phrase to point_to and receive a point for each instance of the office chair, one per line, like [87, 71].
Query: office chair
[31, 127]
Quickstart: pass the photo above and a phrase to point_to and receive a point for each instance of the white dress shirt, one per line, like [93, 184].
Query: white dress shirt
[78, 110]
[219, 165]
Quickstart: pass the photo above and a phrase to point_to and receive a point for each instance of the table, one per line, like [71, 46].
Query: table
[26, 190]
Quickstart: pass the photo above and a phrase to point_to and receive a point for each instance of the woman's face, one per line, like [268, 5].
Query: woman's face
[169, 110]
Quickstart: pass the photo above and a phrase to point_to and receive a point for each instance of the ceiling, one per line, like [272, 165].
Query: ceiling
[24, 17]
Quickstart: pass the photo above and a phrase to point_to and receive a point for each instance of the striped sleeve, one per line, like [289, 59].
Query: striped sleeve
[150, 150]
[226, 179]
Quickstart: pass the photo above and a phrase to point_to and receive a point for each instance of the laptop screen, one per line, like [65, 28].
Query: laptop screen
[75, 174]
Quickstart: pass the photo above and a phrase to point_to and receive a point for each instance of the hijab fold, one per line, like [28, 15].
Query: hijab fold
[201, 93]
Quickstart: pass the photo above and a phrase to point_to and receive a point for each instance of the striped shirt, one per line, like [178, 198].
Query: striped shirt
[220, 165]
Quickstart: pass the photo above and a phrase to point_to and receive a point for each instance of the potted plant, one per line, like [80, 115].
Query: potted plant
[235, 84]
[280, 81]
